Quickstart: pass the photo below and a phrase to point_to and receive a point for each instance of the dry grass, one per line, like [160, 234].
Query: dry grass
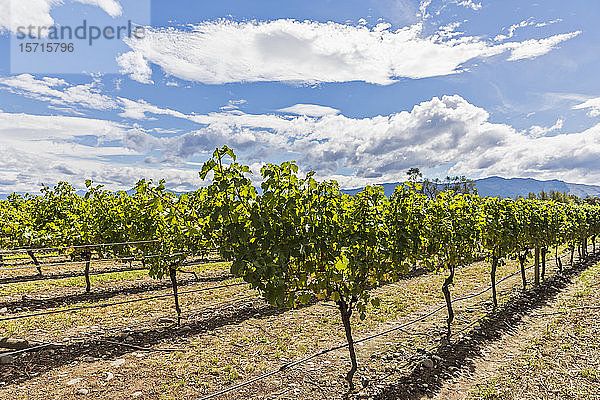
[226, 346]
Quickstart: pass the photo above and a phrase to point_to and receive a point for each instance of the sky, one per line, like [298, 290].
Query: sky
[358, 91]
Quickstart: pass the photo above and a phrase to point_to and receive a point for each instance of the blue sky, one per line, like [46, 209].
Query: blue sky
[358, 91]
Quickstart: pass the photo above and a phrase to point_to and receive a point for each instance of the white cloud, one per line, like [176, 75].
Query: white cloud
[571, 157]
[311, 110]
[47, 149]
[58, 92]
[33, 142]
[539, 131]
[310, 52]
[233, 104]
[513, 28]
[554, 21]
[470, 4]
[64, 96]
[528, 22]
[592, 105]
[442, 132]
[449, 31]
[17, 13]
[136, 66]
[37, 132]
[423, 8]
[433, 134]
[446, 132]
[138, 110]
[536, 47]
[111, 7]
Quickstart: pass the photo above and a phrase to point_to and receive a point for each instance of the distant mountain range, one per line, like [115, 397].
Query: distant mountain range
[496, 187]
[501, 187]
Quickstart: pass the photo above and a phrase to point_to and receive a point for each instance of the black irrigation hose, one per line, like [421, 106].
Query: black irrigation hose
[95, 260]
[39, 347]
[159, 296]
[45, 345]
[82, 246]
[341, 346]
[469, 296]
[283, 367]
[125, 259]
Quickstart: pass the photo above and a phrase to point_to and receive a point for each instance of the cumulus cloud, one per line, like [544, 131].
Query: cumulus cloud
[442, 132]
[33, 147]
[447, 132]
[224, 51]
[571, 157]
[434, 134]
[592, 105]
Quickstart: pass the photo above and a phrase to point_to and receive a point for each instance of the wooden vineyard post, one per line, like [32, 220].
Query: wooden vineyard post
[544, 251]
[173, 276]
[35, 261]
[537, 266]
[494, 267]
[88, 256]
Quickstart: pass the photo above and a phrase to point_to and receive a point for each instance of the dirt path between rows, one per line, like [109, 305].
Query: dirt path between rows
[451, 370]
[509, 362]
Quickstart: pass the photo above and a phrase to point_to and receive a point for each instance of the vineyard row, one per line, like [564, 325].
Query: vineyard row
[297, 238]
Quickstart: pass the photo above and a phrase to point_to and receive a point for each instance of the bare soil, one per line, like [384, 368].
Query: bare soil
[230, 335]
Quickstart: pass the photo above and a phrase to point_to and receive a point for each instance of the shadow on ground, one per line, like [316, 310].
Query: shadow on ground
[458, 357]
[108, 347]
[208, 319]
[36, 304]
